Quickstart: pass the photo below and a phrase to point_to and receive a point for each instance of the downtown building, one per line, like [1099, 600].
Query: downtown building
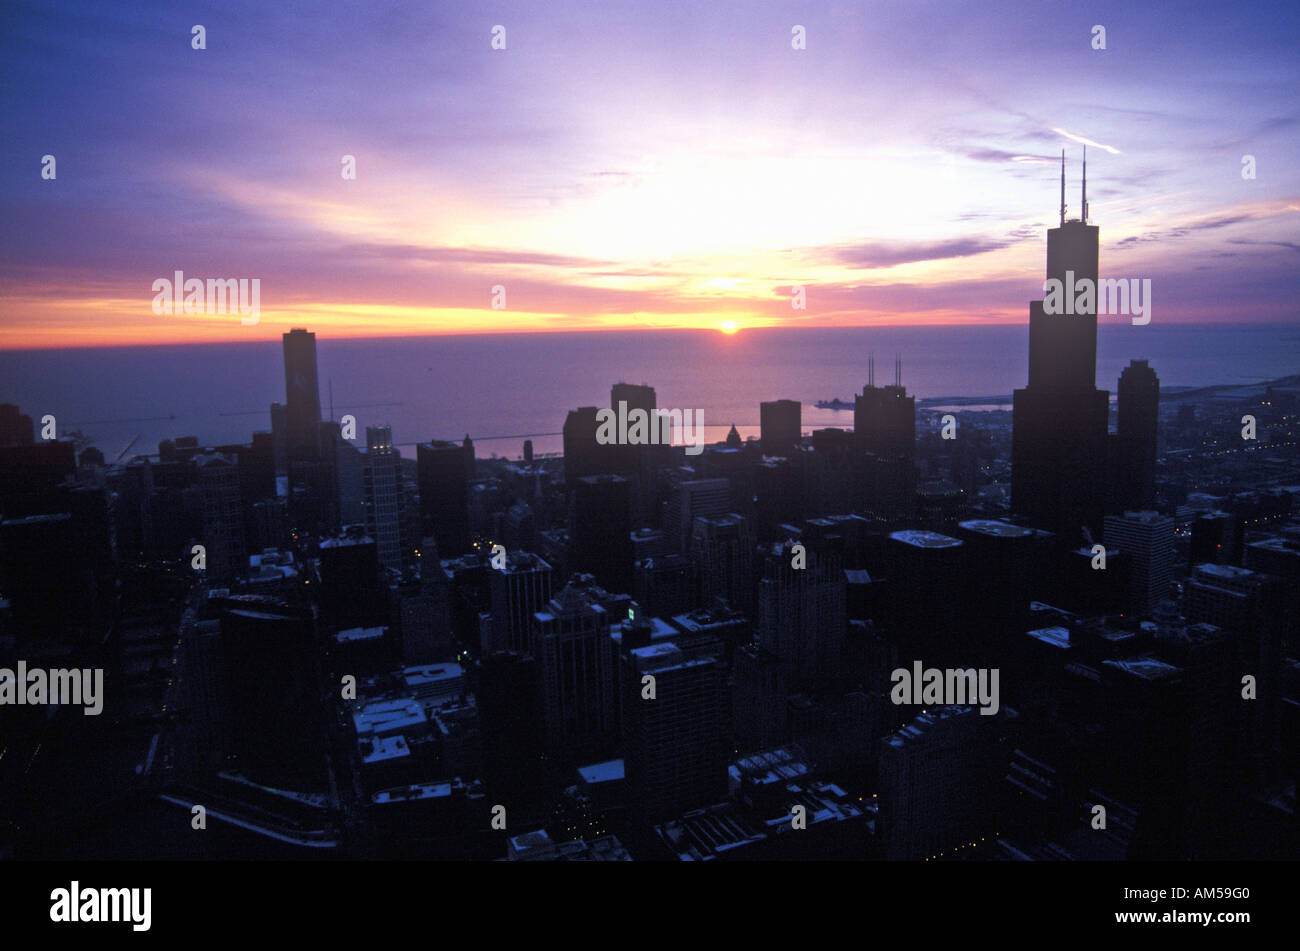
[1060, 419]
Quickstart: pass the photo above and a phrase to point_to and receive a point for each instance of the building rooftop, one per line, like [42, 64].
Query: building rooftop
[1000, 529]
[606, 772]
[1055, 636]
[354, 634]
[384, 749]
[920, 538]
[1147, 668]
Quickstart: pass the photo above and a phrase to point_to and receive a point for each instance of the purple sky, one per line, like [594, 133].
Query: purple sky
[627, 165]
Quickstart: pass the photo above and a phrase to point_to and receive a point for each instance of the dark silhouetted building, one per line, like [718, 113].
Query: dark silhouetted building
[675, 744]
[272, 678]
[600, 540]
[443, 471]
[781, 427]
[301, 395]
[1059, 436]
[1133, 466]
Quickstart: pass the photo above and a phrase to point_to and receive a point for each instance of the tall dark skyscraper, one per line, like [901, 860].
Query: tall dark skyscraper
[638, 462]
[599, 530]
[1133, 469]
[302, 395]
[780, 422]
[583, 456]
[1059, 439]
[884, 429]
[443, 472]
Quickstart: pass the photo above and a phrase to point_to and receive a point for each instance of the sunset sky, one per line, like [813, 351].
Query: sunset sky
[627, 165]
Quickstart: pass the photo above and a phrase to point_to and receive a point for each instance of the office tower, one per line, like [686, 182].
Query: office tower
[600, 540]
[1144, 714]
[1260, 610]
[443, 473]
[578, 678]
[519, 528]
[301, 395]
[940, 506]
[884, 432]
[423, 608]
[350, 594]
[280, 446]
[1000, 564]
[512, 716]
[257, 468]
[1212, 708]
[1060, 421]
[272, 678]
[223, 526]
[937, 775]
[30, 476]
[665, 585]
[674, 745]
[46, 580]
[583, 456]
[884, 417]
[1216, 539]
[781, 427]
[722, 549]
[1148, 537]
[1133, 470]
[384, 492]
[1278, 556]
[518, 592]
[15, 428]
[206, 718]
[691, 499]
[639, 462]
[801, 614]
[930, 588]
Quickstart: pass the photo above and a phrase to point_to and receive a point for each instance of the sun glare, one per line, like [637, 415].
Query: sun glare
[728, 326]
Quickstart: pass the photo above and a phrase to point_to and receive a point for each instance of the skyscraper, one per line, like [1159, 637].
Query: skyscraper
[675, 743]
[302, 395]
[384, 495]
[1133, 468]
[780, 426]
[518, 592]
[223, 526]
[600, 530]
[578, 677]
[691, 499]
[443, 471]
[1148, 537]
[801, 613]
[884, 428]
[583, 456]
[1059, 439]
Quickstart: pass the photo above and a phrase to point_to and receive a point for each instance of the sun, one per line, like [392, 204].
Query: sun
[729, 326]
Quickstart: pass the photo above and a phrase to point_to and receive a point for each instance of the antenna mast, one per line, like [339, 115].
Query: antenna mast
[1084, 197]
[1062, 187]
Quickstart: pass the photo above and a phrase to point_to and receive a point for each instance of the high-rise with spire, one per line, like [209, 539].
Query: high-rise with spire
[1059, 441]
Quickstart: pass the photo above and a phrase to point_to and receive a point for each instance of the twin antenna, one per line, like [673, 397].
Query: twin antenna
[1083, 198]
[871, 370]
